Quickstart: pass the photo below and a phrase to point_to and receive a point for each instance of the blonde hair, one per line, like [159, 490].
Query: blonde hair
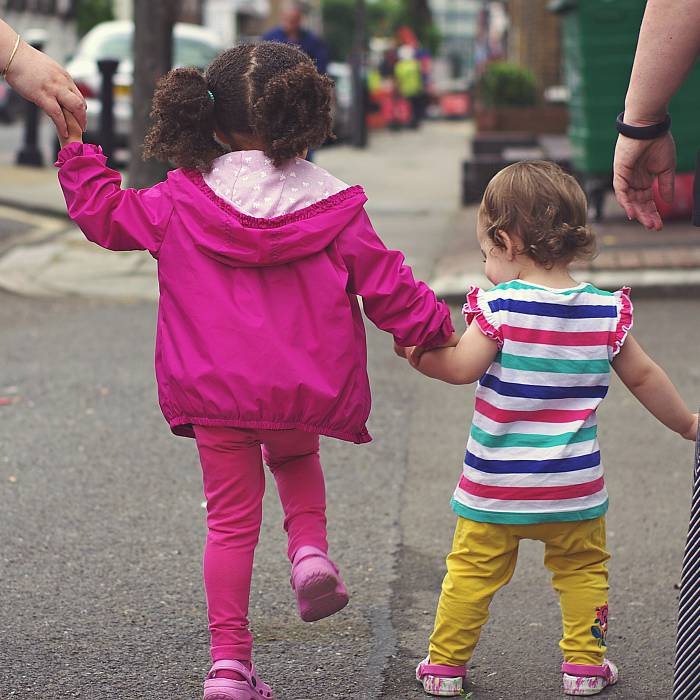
[544, 206]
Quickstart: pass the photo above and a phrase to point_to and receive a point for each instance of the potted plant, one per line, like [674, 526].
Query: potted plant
[507, 100]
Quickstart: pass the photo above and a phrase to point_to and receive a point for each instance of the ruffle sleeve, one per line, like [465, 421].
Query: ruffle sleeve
[477, 310]
[625, 319]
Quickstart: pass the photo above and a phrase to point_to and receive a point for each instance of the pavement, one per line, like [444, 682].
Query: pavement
[664, 263]
[102, 508]
[52, 259]
[51, 262]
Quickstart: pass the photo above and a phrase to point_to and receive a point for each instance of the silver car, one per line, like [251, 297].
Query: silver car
[193, 46]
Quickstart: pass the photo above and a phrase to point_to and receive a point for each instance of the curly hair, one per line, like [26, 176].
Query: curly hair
[269, 91]
[545, 207]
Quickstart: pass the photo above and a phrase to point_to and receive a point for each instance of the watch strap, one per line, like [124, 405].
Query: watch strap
[643, 133]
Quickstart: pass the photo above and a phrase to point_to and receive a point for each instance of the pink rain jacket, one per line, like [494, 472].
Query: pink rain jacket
[259, 324]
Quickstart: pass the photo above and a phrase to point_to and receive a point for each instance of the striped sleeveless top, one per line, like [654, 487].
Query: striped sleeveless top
[533, 453]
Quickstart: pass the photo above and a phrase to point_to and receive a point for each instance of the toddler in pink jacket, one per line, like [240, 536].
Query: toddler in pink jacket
[260, 343]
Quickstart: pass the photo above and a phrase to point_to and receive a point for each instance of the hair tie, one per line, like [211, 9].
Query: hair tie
[211, 95]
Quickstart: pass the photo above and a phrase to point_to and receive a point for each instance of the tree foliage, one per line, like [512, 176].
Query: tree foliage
[384, 17]
[89, 13]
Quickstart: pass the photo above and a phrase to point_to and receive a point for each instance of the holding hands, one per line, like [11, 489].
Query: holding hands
[39, 79]
[462, 361]
[74, 131]
[412, 354]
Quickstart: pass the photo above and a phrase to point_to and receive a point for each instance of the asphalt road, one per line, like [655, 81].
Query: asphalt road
[102, 528]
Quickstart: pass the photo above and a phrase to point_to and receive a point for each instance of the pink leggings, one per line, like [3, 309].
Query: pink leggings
[234, 483]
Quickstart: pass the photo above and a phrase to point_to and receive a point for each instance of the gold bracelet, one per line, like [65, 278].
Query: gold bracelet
[12, 55]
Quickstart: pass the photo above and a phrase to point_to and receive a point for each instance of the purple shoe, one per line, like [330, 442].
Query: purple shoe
[249, 688]
[316, 581]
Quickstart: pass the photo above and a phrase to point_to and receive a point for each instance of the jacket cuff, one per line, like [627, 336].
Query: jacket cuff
[444, 333]
[75, 149]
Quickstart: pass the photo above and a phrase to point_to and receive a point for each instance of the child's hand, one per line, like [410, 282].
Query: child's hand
[692, 432]
[75, 133]
[400, 351]
[414, 354]
[417, 352]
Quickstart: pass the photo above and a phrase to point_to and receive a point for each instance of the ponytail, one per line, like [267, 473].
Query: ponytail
[184, 119]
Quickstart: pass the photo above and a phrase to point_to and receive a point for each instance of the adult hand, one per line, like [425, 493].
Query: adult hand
[636, 165]
[38, 78]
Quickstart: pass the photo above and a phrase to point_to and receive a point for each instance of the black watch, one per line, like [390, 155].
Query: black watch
[643, 133]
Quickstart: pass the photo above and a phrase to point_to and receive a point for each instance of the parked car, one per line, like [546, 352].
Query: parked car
[192, 46]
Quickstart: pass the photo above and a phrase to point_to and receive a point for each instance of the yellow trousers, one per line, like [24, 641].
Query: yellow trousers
[483, 559]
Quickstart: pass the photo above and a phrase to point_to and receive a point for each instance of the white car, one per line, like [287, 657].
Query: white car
[193, 46]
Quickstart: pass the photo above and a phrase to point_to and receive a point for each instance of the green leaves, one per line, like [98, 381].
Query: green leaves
[507, 85]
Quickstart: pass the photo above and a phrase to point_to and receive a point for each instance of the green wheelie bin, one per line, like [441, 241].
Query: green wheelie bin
[599, 38]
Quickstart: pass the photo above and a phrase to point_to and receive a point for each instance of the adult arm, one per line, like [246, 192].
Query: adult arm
[392, 299]
[41, 80]
[669, 41]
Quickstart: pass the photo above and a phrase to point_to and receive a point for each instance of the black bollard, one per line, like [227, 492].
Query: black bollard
[359, 86]
[30, 153]
[108, 67]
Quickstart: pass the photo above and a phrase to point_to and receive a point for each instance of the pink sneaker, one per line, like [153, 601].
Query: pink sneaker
[437, 679]
[580, 679]
[316, 581]
[250, 688]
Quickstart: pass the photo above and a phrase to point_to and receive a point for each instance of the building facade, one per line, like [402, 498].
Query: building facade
[457, 23]
[50, 21]
[534, 40]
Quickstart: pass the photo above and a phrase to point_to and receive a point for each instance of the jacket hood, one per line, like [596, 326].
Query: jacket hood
[236, 239]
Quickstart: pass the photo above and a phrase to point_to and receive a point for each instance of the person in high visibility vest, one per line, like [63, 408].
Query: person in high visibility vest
[409, 82]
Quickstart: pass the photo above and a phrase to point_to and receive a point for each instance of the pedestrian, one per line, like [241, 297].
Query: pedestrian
[39, 79]
[409, 81]
[260, 340]
[291, 31]
[669, 43]
[540, 347]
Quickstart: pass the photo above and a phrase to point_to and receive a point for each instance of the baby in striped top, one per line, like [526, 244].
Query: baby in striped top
[540, 347]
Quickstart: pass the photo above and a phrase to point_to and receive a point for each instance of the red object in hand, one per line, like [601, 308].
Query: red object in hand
[682, 205]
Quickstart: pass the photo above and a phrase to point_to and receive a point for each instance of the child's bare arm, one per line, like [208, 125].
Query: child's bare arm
[415, 352]
[654, 390]
[462, 364]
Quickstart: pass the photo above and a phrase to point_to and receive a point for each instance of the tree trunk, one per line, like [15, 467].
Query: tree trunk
[153, 41]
